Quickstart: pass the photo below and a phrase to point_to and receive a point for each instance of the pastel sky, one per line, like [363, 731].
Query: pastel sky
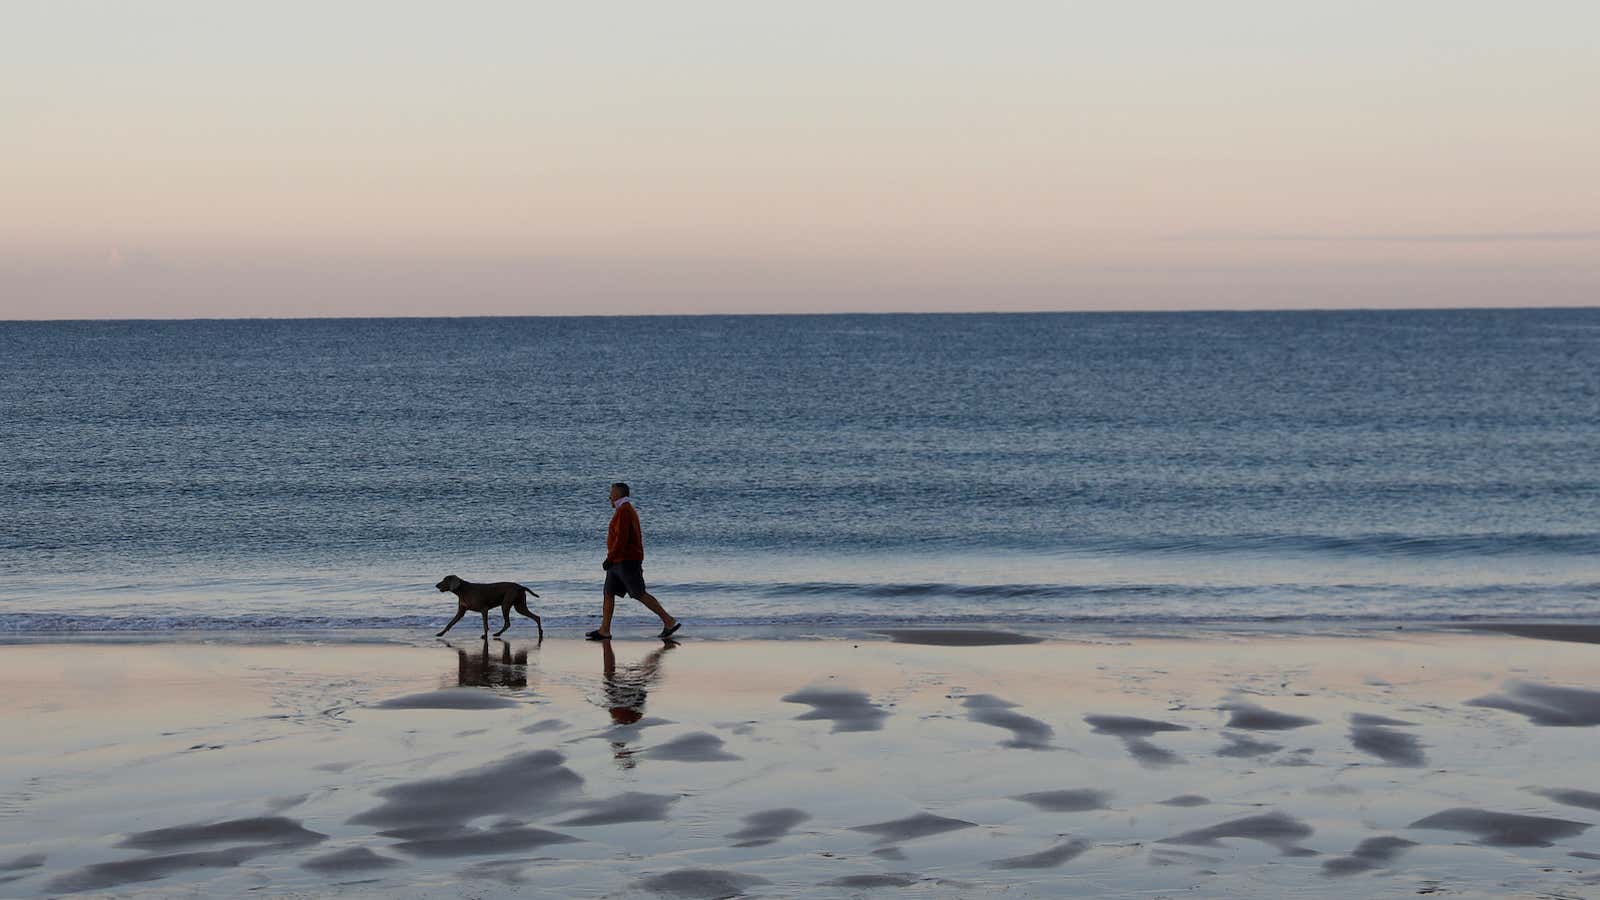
[214, 158]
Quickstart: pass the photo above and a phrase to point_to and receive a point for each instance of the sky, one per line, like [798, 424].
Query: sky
[209, 158]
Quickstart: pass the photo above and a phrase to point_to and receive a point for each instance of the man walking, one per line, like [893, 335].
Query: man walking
[624, 566]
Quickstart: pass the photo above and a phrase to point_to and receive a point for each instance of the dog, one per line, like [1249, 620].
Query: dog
[480, 598]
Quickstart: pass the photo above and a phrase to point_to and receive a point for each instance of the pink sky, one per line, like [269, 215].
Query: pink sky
[186, 158]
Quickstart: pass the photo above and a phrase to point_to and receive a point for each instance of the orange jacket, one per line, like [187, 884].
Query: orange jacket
[624, 539]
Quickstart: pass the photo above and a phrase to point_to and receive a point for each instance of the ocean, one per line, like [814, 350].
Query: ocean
[804, 474]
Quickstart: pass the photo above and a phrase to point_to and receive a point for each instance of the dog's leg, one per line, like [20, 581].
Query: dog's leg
[460, 611]
[505, 610]
[486, 623]
[522, 607]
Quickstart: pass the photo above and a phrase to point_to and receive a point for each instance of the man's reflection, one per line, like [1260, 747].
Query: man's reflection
[627, 688]
[479, 666]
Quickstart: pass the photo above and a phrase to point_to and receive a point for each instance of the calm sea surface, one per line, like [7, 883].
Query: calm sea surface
[805, 471]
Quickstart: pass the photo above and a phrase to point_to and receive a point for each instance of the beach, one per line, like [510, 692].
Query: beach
[917, 762]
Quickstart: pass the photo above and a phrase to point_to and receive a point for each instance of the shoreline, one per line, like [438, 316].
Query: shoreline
[887, 313]
[1581, 629]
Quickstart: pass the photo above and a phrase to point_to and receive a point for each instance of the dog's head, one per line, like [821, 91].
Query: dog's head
[449, 583]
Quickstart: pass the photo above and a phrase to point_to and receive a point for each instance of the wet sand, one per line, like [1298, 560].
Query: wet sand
[942, 764]
[1579, 634]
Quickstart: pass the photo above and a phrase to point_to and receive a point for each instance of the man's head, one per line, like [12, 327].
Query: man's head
[618, 491]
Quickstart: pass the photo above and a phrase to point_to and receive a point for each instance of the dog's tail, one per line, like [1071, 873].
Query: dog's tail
[528, 589]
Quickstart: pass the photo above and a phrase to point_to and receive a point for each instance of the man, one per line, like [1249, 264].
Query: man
[624, 567]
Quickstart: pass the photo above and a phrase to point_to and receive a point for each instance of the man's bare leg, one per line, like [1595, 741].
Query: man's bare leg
[607, 607]
[651, 603]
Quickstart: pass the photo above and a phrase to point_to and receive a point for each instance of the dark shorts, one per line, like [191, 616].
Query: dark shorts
[626, 578]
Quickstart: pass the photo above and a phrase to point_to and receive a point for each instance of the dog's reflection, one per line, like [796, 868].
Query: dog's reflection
[499, 666]
[626, 689]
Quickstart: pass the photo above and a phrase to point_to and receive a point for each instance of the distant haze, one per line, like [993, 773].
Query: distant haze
[193, 158]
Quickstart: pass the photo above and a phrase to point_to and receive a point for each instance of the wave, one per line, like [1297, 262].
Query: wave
[1380, 544]
[1190, 592]
[869, 590]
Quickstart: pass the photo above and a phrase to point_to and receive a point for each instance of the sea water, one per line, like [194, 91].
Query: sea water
[805, 472]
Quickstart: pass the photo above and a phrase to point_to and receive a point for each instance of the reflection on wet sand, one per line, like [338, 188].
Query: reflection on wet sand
[1570, 797]
[628, 687]
[895, 879]
[449, 698]
[1498, 829]
[480, 665]
[1076, 800]
[464, 840]
[522, 783]
[701, 883]
[1048, 858]
[767, 826]
[1133, 732]
[266, 830]
[1275, 828]
[1027, 733]
[625, 690]
[1547, 704]
[1253, 717]
[699, 746]
[353, 859]
[1245, 747]
[632, 806]
[1371, 853]
[849, 710]
[912, 827]
[1376, 735]
[251, 837]
[101, 876]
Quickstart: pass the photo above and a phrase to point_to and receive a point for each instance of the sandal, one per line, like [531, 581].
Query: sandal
[595, 635]
[669, 632]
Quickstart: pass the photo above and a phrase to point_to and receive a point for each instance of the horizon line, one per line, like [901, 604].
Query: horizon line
[731, 315]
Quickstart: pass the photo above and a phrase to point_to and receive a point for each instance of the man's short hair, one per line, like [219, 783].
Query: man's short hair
[620, 487]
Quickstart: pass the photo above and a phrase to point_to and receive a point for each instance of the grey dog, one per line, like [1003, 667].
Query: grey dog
[480, 598]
